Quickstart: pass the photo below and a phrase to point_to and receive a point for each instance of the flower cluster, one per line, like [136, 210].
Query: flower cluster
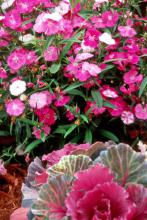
[66, 65]
[75, 187]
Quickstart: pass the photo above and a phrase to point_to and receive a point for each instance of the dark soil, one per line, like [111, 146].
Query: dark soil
[10, 190]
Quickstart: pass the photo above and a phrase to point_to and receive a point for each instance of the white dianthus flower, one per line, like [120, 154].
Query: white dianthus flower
[17, 87]
[27, 38]
[107, 39]
[7, 4]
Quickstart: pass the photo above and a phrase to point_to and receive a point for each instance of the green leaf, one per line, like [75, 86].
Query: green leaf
[31, 146]
[143, 86]
[55, 68]
[70, 165]
[109, 105]
[84, 118]
[108, 135]
[43, 137]
[128, 165]
[97, 98]
[72, 127]
[76, 92]
[28, 121]
[48, 42]
[4, 133]
[88, 136]
[73, 86]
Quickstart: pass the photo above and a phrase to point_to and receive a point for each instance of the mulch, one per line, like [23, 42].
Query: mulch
[10, 190]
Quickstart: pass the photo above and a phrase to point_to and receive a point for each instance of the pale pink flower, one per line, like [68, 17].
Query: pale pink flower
[93, 69]
[96, 110]
[63, 8]
[51, 54]
[12, 19]
[107, 39]
[39, 100]
[83, 56]
[110, 18]
[97, 21]
[127, 117]
[109, 92]
[141, 111]
[132, 76]
[15, 107]
[126, 31]
[31, 57]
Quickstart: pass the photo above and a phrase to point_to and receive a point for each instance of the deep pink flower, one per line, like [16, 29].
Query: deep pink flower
[110, 18]
[127, 117]
[12, 19]
[17, 59]
[95, 196]
[15, 107]
[69, 115]
[24, 6]
[126, 31]
[51, 54]
[95, 109]
[129, 89]
[120, 107]
[46, 115]
[98, 21]
[3, 73]
[61, 99]
[132, 77]
[141, 111]
[91, 38]
[68, 149]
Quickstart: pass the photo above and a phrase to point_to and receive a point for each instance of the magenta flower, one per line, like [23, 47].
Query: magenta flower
[12, 19]
[141, 111]
[37, 131]
[61, 100]
[3, 73]
[95, 196]
[17, 59]
[15, 107]
[132, 77]
[108, 92]
[24, 6]
[51, 54]
[126, 31]
[3, 170]
[91, 38]
[120, 107]
[110, 18]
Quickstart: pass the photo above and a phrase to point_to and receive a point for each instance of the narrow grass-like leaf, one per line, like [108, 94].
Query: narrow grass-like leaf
[143, 86]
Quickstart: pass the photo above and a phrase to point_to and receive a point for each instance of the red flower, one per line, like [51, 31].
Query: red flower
[95, 196]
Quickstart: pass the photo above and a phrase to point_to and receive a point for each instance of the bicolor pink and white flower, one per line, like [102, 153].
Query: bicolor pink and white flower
[127, 117]
[15, 107]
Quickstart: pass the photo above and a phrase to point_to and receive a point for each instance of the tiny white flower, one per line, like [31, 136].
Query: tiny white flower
[107, 39]
[18, 87]
[23, 97]
[2, 17]
[142, 147]
[7, 4]
[27, 38]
